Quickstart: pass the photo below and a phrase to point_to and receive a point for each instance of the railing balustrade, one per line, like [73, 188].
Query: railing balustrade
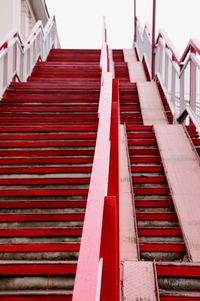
[18, 58]
[179, 77]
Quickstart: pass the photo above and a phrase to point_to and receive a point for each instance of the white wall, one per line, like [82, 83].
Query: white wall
[16, 14]
[9, 16]
[27, 18]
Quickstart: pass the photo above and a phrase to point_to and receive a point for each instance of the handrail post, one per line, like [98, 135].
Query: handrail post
[153, 39]
[192, 84]
[135, 19]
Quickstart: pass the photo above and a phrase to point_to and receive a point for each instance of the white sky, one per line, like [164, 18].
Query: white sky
[80, 21]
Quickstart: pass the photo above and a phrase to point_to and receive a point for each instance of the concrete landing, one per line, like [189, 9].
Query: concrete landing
[182, 169]
[128, 246]
[151, 104]
[139, 281]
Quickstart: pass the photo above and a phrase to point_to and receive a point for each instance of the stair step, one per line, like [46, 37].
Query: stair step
[160, 216]
[15, 203]
[176, 232]
[39, 247]
[41, 217]
[41, 232]
[149, 247]
[45, 170]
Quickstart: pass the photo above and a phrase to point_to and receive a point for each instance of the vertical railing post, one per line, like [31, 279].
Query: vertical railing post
[173, 90]
[192, 100]
[135, 19]
[153, 39]
[5, 70]
[182, 93]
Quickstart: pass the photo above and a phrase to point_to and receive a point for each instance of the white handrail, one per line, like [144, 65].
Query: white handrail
[143, 44]
[18, 58]
[179, 78]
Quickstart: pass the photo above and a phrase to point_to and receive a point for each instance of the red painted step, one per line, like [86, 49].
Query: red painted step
[160, 236]
[48, 135]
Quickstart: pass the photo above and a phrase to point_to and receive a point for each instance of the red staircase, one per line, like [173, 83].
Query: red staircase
[159, 233]
[48, 133]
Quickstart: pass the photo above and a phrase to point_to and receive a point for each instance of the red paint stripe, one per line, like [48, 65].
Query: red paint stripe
[63, 247]
[48, 108]
[38, 269]
[142, 142]
[153, 204]
[159, 232]
[46, 143]
[41, 217]
[40, 170]
[44, 192]
[143, 151]
[179, 298]
[48, 128]
[145, 168]
[145, 159]
[37, 232]
[150, 191]
[42, 204]
[156, 216]
[72, 160]
[44, 181]
[39, 136]
[30, 296]
[156, 179]
[180, 269]
[46, 153]
[162, 248]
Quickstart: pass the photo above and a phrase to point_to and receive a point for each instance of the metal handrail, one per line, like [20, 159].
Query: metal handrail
[178, 76]
[94, 266]
[87, 275]
[89, 270]
[18, 57]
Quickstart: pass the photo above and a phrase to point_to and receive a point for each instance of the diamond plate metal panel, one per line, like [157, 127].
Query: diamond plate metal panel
[138, 281]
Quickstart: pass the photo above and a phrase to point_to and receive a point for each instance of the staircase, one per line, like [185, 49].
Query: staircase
[48, 133]
[159, 233]
[160, 237]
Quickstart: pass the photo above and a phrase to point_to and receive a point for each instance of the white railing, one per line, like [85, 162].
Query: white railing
[167, 69]
[179, 77]
[17, 58]
[144, 44]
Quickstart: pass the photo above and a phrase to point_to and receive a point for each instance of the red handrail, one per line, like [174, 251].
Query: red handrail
[162, 34]
[193, 47]
[11, 35]
[15, 34]
[88, 264]
[98, 275]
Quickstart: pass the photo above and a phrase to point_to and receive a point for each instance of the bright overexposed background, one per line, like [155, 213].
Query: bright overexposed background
[80, 21]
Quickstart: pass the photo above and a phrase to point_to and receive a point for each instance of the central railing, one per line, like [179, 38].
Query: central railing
[179, 77]
[97, 276]
[18, 58]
